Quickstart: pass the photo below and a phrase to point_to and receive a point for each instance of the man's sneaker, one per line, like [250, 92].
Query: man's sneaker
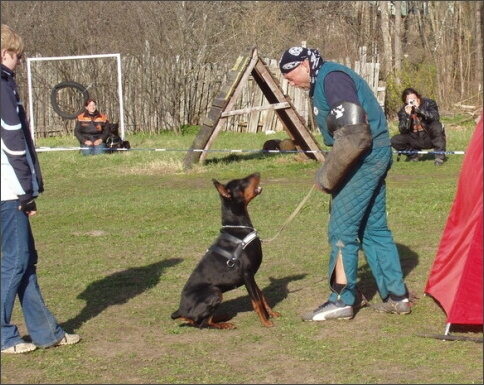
[68, 339]
[391, 306]
[23, 347]
[329, 310]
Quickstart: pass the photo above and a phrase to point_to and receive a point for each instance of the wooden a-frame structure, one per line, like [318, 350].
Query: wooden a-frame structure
[225, 99]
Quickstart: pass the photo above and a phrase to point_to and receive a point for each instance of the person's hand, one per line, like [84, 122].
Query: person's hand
[416, 105]
[88, 143]
[412, 105]
[29, 207]
[97, 142]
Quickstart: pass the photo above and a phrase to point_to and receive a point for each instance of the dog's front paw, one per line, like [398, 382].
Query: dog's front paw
[268, 323]
[275, 314]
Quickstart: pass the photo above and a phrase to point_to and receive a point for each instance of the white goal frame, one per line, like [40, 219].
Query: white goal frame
[120, 85]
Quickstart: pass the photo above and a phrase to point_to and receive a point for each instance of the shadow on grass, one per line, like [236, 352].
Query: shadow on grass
[366, 281]
[232, 158]
[276, 292]
[116, 289]
[461, 328]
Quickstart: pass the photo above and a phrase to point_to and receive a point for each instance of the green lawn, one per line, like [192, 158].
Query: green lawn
[118, 235]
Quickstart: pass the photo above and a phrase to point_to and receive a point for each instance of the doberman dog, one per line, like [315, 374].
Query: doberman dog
[230, 262]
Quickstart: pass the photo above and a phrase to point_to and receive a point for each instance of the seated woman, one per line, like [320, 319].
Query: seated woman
[92, 129]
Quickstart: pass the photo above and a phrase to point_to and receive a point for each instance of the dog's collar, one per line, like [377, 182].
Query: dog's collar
[238, 227]
[241, 244]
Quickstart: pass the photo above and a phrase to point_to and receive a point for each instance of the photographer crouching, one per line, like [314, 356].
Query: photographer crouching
[420, 127]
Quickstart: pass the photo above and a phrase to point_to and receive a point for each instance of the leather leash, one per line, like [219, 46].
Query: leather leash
[291, 217]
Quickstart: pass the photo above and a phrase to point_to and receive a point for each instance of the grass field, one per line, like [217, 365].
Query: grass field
[118, 235]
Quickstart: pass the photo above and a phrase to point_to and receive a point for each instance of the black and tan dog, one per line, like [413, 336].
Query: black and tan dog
[231, 261]
[114, 141]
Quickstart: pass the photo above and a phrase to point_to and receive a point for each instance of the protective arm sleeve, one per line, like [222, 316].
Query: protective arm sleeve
[352, 139]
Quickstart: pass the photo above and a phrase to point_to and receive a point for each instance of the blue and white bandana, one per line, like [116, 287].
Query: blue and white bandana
[294, 56]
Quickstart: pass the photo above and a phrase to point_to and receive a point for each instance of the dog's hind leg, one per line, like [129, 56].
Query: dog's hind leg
[188, 321]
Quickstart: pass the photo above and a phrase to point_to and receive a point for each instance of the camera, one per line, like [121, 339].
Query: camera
[411, 102]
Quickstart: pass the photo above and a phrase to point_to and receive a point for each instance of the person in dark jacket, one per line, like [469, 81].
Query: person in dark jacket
[345, 105]
[21, 185]
[420, 127]
[92, 129]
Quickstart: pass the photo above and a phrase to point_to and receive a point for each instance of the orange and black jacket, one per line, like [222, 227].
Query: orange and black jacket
[91, 127]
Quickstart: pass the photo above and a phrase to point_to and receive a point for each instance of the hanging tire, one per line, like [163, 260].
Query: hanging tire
[68, 99]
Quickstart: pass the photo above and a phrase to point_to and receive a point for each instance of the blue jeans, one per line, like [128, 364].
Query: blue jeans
[94, 150]
[19, 277]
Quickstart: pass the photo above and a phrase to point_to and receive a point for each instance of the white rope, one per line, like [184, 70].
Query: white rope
[49, 149]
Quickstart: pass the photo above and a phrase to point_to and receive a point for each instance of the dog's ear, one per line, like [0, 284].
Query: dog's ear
[221, 189]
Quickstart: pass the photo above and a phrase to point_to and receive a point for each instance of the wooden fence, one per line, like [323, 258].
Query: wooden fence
[160, 95]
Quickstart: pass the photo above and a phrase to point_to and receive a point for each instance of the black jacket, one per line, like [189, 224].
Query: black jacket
[427, 112]
[21, 175]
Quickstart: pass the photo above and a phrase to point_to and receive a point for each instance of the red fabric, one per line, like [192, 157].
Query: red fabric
[455, 279]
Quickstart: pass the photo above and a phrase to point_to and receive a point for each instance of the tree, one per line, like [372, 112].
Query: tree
[387, 40]
[438, 44]
[397, 41]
